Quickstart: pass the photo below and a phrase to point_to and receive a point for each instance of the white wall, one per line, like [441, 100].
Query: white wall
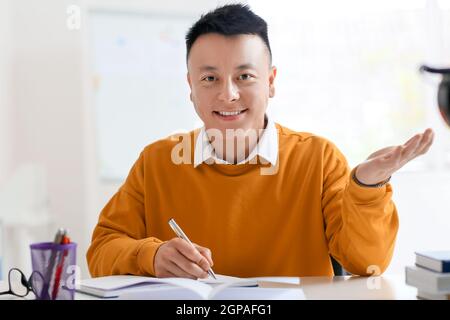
[421, 201]
[47, 99]
[5, 88]
[5, 107]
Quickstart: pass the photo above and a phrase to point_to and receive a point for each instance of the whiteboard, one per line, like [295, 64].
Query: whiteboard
[140, 89]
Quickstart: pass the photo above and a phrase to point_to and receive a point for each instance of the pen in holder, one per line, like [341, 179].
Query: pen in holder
[55, 265]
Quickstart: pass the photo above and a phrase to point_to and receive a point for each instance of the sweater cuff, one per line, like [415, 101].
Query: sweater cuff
[365, 195]
[146, 255]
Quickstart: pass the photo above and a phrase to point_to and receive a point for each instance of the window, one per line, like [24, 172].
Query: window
[348, 70]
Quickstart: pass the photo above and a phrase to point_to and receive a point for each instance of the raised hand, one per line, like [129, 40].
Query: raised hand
[381, 164]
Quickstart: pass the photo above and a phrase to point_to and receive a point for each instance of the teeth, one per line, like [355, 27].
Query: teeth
[230, 113]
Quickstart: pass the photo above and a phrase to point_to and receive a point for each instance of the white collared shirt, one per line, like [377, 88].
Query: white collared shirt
[266, 148]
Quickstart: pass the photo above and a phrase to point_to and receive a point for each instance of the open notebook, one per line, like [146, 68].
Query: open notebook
[114, 286]
[225, 287]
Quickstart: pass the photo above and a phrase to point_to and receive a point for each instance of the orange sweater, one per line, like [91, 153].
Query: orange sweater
[286, 224]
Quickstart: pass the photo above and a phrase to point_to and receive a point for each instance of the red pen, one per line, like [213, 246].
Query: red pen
[65, 240]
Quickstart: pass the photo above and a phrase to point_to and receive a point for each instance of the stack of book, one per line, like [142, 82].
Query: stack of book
[430, 275]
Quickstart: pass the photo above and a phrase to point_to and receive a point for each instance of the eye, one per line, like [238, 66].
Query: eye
[245, 76]
[209, 78]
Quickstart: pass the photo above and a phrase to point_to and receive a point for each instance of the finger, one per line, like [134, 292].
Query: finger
[410, 147]
[415, 147]
[424, 137]
[192, 254]
[205, 252]
[188, 267]
[427, 142]
[178, 271]
[412, 139]
[427, 147]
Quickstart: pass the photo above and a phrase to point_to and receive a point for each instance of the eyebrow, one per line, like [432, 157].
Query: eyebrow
[240, 67]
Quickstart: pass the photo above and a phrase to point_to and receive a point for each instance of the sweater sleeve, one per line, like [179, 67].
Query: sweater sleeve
[361, 222]
[119, 242]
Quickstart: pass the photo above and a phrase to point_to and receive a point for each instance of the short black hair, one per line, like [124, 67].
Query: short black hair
[229, 20]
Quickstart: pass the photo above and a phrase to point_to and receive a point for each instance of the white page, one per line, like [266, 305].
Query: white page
[257, 293]
[221, 279]
[288, 280]
[229, 293]
[116, 285]
[116, 282]
[164, 293]
[122, 281]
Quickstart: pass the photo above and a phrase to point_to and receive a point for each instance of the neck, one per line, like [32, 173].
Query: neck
[237, 145]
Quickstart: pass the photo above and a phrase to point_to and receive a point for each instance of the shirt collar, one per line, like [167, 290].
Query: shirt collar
[266, 148]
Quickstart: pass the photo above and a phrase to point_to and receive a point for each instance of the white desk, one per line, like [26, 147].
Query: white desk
[386, 287]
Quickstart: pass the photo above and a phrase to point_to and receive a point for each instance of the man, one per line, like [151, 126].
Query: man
[279, 204]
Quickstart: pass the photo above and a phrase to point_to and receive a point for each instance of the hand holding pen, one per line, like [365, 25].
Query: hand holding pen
[179, 257]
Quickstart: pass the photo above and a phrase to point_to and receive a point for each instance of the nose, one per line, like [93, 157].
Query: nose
[229, 92]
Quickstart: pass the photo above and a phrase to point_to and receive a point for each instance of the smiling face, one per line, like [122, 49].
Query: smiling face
[231, 81]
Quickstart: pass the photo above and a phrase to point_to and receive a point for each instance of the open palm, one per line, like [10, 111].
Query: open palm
[381, 164]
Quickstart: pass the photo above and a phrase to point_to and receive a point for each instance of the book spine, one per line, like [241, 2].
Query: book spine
[445, 266]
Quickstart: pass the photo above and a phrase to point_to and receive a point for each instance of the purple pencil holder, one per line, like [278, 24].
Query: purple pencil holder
[54, 270]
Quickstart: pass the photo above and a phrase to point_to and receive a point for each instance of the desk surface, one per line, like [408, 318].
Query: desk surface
[386, 287]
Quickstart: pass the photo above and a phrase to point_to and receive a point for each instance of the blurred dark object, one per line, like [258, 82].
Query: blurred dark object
[443, 91]
[337, 268]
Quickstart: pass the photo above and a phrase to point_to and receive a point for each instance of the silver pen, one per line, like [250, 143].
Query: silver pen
[183, 236]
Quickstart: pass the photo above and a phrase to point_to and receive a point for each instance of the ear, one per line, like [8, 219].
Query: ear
[190, 84]
[272, 75]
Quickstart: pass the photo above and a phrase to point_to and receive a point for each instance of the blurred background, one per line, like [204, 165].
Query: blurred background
[85, 85]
